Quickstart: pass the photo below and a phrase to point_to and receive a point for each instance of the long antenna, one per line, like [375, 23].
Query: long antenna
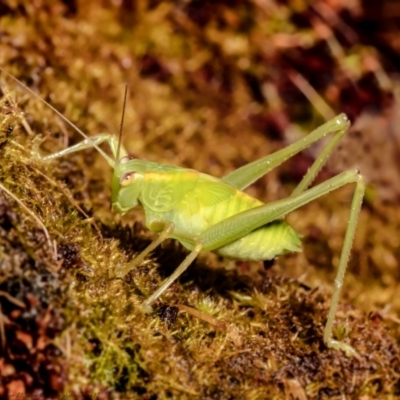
[121, 127]
[65, 119]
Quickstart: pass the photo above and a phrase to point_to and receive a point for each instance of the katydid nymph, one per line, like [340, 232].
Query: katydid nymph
[205, 213]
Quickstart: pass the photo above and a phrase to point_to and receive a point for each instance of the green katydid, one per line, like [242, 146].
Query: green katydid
[205, 213]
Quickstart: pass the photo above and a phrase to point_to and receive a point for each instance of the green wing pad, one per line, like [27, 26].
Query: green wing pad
[211, 194]
[162, 191]
[193, 212]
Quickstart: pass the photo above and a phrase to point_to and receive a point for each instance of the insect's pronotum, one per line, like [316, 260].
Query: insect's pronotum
[210, 214]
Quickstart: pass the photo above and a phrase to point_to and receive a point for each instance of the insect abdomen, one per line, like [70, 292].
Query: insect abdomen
[206, 206]
[264, 243]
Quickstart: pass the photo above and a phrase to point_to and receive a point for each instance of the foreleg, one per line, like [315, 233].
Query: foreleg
[88, 143]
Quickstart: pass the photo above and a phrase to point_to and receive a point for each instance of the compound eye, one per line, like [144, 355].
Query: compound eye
[125, 159]
[127, 178]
